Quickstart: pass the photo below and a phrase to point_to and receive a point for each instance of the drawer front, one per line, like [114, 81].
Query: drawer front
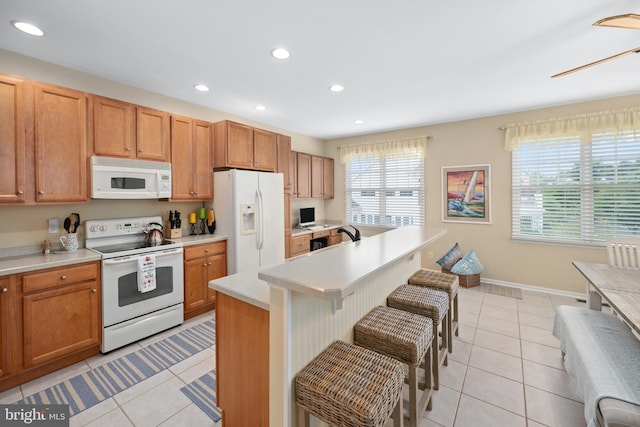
[334, 240]
[334, 232]
[300, 244]
[317, 234]
[59, 276]
[206, 249]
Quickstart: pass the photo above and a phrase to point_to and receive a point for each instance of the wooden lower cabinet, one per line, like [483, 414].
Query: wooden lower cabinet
[300, 244]
[242, 362]
[8, 326]
[49, 319]
[335, 237]
[60, 321]
[202, 263]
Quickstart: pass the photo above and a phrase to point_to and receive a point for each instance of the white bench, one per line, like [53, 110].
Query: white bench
[602, 353]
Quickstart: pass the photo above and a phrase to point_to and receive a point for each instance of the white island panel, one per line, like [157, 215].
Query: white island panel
[303, 319]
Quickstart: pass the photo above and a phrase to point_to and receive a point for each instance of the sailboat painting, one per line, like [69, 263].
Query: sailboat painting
[466, 194]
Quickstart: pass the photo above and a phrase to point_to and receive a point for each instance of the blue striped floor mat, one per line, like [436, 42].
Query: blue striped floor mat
[92, 387]
[202, 392]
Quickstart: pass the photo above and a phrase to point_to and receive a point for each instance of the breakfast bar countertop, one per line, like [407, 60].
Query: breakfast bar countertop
[336, 273]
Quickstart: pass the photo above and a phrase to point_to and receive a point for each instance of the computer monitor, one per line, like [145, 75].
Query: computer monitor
[307, 217]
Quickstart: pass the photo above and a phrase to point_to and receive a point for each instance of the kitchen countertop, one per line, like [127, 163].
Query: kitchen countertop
[32, 262]
[336, 273]
[321, 225]
[244, 287]
[187, 240]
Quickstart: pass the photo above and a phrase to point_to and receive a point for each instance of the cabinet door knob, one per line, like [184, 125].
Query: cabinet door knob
[41, 192]
[204, 264]
[127, 149]
[20, 192]
[206, 250]
[140, 150]
[93, 291]
[5, 290]
[208, 264]
[63, 277]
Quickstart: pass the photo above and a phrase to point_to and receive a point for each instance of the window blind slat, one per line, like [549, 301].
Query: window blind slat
[385, 190]
[568, 190]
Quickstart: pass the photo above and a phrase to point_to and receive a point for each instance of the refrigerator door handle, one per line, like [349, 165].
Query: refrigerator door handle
[260, 233]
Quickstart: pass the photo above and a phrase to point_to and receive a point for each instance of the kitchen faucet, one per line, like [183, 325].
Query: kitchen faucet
[351, 236]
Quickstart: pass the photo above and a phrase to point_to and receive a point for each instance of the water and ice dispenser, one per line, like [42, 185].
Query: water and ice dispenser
[247, 218]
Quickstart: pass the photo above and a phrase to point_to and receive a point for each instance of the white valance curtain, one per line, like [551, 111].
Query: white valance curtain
[581, 126]
[413, 146]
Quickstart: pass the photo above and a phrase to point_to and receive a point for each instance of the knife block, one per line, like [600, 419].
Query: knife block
[175, 233]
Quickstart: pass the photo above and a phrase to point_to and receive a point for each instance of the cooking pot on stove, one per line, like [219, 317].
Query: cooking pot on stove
[154, 233]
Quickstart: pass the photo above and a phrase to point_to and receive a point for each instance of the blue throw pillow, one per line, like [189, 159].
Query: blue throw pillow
[470, 264]
[449, 259]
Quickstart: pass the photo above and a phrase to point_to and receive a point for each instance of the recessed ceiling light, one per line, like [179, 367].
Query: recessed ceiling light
[261, 108]
[336, 88]
[358, 122]
[28, 28]
[280, 53]
[201, 87]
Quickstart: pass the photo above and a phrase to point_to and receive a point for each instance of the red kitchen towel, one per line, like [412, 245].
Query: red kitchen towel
[146, 273]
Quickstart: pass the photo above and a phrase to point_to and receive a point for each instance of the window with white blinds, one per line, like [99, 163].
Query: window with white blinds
[576, 189]
[385, 189]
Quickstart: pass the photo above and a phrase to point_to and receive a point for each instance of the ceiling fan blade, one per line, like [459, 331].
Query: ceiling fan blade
[591, 64]
[629, 20]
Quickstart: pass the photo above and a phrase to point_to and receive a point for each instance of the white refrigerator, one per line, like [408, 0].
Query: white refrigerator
[249, 210]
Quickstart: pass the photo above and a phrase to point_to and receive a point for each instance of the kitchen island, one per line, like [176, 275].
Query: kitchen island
[313, 300]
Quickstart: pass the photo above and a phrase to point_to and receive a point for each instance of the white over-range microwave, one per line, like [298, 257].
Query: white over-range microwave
[113, 178]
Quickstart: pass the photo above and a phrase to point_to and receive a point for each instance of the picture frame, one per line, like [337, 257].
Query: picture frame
[466, 194]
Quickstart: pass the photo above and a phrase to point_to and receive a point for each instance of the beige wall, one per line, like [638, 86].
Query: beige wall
[27, 225]
[467, 142]
[480, 142]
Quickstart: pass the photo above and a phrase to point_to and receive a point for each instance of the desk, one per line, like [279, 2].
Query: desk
[620, 287]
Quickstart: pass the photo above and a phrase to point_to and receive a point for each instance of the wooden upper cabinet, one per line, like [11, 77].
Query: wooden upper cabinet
[152, 134]
[317, 171]
[113, 128]
[233, 145]
[203, 164]
[303, 166]
[121, 129]
[283, 148]
[60, 144]
[191, 169]
[12, 140]
[264, 150]
[327, 178]
[241, 146]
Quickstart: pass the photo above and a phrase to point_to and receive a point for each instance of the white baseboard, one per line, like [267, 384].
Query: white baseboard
[532, 288]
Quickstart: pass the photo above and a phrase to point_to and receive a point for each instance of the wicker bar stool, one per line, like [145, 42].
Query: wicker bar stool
[450, 283]
[431, 303]
[406, 337]
[350, 386]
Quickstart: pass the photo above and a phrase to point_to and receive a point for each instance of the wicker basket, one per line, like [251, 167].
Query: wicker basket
[466, 280]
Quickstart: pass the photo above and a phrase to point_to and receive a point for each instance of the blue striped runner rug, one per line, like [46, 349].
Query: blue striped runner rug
[92, 387]
[202, 392]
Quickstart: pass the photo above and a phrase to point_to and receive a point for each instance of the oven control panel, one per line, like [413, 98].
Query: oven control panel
[118, 227]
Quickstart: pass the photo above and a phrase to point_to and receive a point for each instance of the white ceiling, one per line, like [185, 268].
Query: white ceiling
[403, 63]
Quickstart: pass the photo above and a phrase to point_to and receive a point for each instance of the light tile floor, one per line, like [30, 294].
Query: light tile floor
[505, 370]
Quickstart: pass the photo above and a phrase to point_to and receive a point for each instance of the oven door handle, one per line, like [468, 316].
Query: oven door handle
[132, 258]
